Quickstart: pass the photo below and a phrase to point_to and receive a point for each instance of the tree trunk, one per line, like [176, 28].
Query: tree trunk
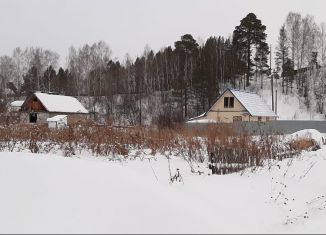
[248, 65]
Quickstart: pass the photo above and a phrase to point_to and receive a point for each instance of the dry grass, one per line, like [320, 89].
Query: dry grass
[226, 151]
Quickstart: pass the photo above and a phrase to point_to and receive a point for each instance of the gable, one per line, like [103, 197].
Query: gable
[33, 103]
[243, 102]
[219, 104]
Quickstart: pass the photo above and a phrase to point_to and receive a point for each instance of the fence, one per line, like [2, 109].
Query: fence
[278, 127]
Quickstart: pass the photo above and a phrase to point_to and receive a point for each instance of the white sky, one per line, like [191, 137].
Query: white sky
[128, 25]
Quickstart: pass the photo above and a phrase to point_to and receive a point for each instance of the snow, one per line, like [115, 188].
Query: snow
[201, 119]
[58, 121]
[60, 103]
[290, 106]
[52, 194]
[311, 134]
[200, 116]
[205, 120]
[17, 103]
[253, 103]
[56, 118]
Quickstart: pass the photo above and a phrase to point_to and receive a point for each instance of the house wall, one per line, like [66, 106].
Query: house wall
[33, 104]
[43, 116]
[221, 114]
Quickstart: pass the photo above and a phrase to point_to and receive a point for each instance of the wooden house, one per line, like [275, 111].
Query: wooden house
[39, 106]
[236, 105]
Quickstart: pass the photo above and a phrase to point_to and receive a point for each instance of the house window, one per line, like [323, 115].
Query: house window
[231, 103]
[237, 119]
[228, 102]
[259, 119]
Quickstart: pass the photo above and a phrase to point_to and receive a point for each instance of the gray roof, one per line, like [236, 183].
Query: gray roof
[253, 103]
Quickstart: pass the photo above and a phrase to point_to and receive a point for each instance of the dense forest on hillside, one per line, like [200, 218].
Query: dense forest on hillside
[179, 81]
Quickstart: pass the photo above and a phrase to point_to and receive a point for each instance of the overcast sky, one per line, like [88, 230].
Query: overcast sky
[128, 25]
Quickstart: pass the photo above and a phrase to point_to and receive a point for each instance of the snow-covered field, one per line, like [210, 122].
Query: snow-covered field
[52, 194]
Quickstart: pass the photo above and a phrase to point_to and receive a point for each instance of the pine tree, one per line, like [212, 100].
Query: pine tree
[30, 81]
[48, 80]
[187, 49]
[288, 73]
[282, 52]
[250, 33]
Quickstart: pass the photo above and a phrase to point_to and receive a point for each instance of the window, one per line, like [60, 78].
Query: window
[231, 103]
[228, 102]
[259, 119]
[237, 119]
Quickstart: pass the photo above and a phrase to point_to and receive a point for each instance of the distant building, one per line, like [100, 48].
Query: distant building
[236, 105]
[39, 106]
[16, 105]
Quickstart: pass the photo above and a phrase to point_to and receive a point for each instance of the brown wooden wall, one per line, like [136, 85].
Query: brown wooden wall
[34, 104]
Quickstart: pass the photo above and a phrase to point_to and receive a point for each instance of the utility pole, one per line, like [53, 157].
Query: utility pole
[272, 76]
[276, 101]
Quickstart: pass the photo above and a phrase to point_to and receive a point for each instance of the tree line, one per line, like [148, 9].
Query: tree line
[178, 82]
[300, 56]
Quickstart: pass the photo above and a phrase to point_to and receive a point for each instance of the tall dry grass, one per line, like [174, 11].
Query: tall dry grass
[225, 149]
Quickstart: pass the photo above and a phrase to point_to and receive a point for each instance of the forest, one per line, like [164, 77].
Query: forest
[179, 81]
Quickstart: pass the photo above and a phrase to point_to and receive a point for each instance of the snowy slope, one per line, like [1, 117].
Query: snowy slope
[51, 194]
[290, 106]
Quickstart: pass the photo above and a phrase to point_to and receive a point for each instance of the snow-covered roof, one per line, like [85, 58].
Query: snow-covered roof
[17, 103]
[60, 103]
[56, 118]
[195, 118]
[253, 103]
[204, 120]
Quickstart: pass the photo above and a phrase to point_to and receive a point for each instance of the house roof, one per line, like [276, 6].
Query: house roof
[253, 103]
[60, 104]
[17, 103]
[195, 118]
[201, 119]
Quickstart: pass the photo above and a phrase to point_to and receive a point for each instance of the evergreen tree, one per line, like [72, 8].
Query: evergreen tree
[288, 74]
[48, 80]
[61, 82]
[250, 33]
[282, 52]
[30, 83]
[187, 49]
[261, 62]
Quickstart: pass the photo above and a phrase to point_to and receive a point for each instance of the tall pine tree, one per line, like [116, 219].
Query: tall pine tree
[282, 53]
[249, 34]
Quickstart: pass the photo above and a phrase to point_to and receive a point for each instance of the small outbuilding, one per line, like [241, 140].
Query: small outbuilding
[59, 121]
[236, 105]
[16, 105]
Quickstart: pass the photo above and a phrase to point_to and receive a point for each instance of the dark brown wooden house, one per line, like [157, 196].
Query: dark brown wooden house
[39, 106]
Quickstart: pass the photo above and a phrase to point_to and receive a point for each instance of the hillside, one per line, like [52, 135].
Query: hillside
[290, 106]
